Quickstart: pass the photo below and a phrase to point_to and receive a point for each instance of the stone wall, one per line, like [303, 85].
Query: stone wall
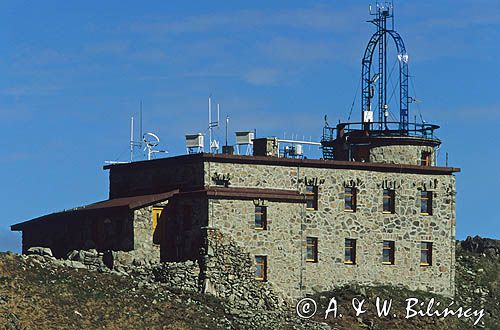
[400, 154]
[154, 176]
[284, 241]
[81, 230]
[183, 221]
[228, 272]
[144, 245]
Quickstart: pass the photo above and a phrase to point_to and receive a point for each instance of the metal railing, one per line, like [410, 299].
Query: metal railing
[377, 129]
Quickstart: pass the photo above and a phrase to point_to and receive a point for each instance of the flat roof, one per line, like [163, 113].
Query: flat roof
[281, 161]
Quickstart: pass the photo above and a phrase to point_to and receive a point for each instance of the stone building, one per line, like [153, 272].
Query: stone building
[307, 225]
[376, 209]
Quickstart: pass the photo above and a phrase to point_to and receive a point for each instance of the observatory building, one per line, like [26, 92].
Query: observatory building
[374, 209]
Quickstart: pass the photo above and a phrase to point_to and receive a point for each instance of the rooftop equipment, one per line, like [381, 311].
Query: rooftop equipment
[245, 138]
[374, 118]
[213, 144]
[151, 141]
[194, 143]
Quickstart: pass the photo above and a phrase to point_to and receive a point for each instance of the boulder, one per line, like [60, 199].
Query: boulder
[41, 251]
[478, 244]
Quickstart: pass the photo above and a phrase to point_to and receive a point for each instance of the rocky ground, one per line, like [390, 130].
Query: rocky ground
[39, 292]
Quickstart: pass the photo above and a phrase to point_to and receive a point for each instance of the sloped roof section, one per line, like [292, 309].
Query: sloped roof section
[130, 203]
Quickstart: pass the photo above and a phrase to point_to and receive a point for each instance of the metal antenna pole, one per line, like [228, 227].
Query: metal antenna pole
[132, 139]
[210, 124]
[140, 123]
[227, 124]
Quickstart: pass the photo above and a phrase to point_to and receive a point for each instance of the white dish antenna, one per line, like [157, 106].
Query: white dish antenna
[151, 140]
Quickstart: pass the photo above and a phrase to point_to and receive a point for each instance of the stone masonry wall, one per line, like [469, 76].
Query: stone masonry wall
[143, 179]
[399, 154]
[284, 241]
[228, 272]
[144, 247]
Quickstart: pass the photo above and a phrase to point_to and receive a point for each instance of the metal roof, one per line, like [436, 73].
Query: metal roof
[130, 203]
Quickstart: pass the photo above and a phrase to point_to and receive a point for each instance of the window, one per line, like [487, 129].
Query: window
[312, 249]
[388, 253]
[156, 214]
[426, 158]
[426, 202]
[311, 197]
[389, 201]
[350, 251]
[261, 268]
[350, 199]
[425, 254]
[261, 217]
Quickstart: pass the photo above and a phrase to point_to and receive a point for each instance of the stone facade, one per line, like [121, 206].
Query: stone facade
[289, 224]
[149, 179]
[209, 206]
[400, 154]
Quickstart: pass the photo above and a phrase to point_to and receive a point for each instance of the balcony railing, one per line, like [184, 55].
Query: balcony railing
[377, 129]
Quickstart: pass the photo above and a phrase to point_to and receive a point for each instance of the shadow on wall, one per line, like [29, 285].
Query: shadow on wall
[10, 241]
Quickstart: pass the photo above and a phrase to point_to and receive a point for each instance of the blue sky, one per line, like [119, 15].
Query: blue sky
[72, 74]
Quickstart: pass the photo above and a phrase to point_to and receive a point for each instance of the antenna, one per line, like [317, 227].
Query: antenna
[140, 119]
[213, 143]
[383, 12]
[132, 139]
[227, 124]
[151, 140]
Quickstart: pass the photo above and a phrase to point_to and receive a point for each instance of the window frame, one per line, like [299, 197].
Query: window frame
[312, 243]
[263, 264]
[391, 196]
[156, 212]
[391, 247]
[312, 196]
[427, 199]
[426, 158]
[352, 248]
[263, 215]
[353, 198]
[429, 252]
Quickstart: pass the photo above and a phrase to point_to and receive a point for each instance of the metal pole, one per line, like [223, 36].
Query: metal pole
[227, 123]
[209, 124]
[132, 139]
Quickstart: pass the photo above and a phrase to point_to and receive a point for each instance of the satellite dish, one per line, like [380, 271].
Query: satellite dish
[151, 140]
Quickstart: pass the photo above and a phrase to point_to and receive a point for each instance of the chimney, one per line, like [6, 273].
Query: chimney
[266, 147]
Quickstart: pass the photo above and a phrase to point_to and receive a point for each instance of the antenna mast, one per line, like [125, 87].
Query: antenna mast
[213, 143]
[384, 12]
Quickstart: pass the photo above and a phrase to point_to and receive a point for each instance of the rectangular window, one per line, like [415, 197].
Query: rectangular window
[261, 268]
[311, 197]
[261, 217]
[156, 214]
[350, 199]
[426, 202]
[426, 158]
[388, 253]
[425, 254]
[312, 249]
[389, 200]
[350, 251]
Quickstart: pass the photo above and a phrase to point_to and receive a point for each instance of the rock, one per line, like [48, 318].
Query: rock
[41, 251]
[74, 255]
[75, 264]
[477, 244]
